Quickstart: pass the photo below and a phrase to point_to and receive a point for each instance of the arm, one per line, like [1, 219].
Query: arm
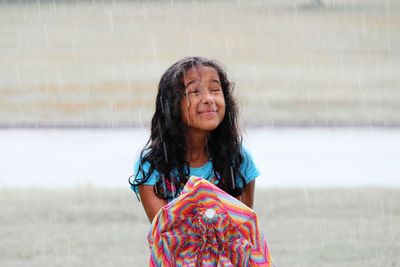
[151, 203]
[247, 196]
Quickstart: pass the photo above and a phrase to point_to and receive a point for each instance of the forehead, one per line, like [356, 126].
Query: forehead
[200, 74]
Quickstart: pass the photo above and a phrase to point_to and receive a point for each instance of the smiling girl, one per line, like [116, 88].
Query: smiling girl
[194, 132]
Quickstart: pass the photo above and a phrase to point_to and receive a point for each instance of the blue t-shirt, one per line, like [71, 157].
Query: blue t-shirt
[248, 169]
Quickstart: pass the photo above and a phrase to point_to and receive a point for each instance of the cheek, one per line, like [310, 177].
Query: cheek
[221, 105]
[222, 109]
[185, 110]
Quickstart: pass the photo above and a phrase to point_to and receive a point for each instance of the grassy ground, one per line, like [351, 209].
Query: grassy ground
[354, 227]
[88, 63]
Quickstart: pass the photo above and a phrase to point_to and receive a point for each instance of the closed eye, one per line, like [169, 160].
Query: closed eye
[194, 91]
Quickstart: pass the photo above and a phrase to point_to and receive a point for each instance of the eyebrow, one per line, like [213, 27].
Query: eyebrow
[216, 81]
[192, 81]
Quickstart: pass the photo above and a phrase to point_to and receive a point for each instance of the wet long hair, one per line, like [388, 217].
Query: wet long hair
[166, 148]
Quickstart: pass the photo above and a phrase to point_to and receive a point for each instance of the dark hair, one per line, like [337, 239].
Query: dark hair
[165, 150]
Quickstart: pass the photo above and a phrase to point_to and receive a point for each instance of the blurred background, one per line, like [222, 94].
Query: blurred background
[295, 63]
[318, 88]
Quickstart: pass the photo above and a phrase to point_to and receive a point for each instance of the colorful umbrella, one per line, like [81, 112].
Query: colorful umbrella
[205, 226]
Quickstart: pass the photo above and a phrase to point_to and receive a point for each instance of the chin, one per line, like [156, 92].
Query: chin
[208, 127]
[211, 126]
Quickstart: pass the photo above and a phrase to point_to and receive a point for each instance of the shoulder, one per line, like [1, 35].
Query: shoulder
[247, 157]
[245, 152]
[248, 167]
[141, 165]
[143, 171]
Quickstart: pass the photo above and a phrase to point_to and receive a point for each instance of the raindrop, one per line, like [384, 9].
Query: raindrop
[39, 5]
[173, 191]
[387, 6]
[46, 36]
[239, 4]
[54, 5]
[69, 245]
[230, 124]
[161, 137]
[167, 115]
[164, 185]
[165, 152]
[364, 30]
[233, 179]
[162, 105]
[156, 189]
[60, 81]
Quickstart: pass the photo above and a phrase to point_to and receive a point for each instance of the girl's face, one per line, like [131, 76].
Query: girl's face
[203, 103]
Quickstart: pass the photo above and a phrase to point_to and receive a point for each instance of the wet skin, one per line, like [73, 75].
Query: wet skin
[203, 109]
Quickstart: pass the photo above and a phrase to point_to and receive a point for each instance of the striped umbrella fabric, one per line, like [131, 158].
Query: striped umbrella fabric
[205, 226]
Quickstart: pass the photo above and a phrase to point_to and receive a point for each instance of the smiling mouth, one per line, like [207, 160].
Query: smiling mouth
[208, 112]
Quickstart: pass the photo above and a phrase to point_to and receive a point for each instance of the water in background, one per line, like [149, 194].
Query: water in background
[285, 157]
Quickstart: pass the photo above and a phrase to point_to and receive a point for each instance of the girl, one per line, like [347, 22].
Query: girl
[194, 131]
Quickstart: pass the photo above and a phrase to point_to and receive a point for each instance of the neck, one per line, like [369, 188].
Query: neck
[196, 153]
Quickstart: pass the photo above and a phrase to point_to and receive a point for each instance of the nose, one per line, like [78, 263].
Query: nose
[207, 97]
